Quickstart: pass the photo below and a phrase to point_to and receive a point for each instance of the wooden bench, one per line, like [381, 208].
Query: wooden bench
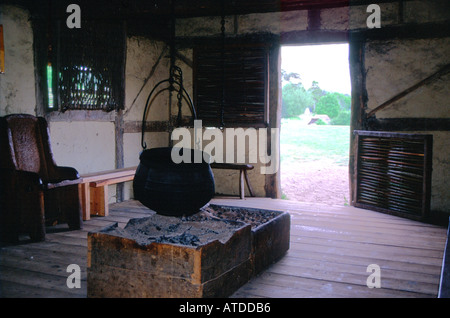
[243, 168]
[94, 189]
[94, 186]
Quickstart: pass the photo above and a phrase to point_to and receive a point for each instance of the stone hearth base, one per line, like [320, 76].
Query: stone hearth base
[210, 254]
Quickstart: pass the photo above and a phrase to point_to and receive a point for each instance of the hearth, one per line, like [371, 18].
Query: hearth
[209, 254]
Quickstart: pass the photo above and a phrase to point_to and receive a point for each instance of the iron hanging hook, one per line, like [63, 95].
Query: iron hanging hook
[175, 77]
[181, 90]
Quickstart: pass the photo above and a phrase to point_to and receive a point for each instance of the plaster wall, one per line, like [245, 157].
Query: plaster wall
[333, 19]
[17, 84]
[146, 65]
[245, 149]
[396, 65]
[227, 181]
[88, 146]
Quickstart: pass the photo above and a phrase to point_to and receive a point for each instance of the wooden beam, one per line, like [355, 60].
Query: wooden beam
[314, 21]
[101, 183]
[150, 126]
[444, 70]
[272, 184]
[359, 104]
[154, 126]
[404, 31]
[444, 285]
[119, 153]
[313, 37]
[409, 124]
[108, 174]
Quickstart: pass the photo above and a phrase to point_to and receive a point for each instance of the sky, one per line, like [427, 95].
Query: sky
[325, 64]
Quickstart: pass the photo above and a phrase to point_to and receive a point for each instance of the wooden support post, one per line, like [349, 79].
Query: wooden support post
[241, 184]
[119, 131]
[99, 200]
[359, 104]
[250, 189]
[85, 194]
[94, 189]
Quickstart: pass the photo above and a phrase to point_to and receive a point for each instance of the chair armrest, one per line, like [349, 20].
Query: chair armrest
[63, 173]
[12, 178]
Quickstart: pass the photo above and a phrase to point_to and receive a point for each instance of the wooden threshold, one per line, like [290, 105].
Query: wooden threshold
[330, 250]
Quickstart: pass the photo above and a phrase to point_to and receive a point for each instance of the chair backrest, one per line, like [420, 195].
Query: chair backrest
[24, 144]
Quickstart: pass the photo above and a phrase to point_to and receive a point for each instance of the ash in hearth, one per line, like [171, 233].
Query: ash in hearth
[252, 216]
[196, 230]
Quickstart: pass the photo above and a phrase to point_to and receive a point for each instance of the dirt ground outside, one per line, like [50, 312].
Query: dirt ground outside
[320, 181]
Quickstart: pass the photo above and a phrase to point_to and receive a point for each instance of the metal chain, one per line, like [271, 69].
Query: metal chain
[180, 92]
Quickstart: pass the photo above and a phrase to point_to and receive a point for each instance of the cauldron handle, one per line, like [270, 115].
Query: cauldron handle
[147, 105]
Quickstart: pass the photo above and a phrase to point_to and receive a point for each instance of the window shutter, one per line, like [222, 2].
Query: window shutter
[393, 173]
[90, 66]
[244, 83]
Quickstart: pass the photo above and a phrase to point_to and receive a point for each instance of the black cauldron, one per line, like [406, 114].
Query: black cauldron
[174, 189]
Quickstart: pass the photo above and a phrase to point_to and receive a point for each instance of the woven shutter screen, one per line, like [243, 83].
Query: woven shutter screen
[90, 68]
[393, 173]
[244, 84]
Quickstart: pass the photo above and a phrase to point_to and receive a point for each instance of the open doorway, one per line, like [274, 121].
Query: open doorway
[315, 123]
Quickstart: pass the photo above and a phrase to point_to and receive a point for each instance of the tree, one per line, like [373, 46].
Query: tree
[316, 93]
[295, 100]
[343, 118]
[345, 101]
[289, 76]
[328, 105]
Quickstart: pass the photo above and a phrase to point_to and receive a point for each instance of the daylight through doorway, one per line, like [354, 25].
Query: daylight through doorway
[315, 123]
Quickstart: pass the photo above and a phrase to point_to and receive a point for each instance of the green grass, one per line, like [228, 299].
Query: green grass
[300, 143]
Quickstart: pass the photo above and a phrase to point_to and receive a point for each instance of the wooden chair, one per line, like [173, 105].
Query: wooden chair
[34, 191]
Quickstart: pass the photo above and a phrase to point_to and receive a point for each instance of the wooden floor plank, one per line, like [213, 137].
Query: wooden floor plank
[330, 249]
[297, 264]
[273, 285]
[17, 290]
[403, 232]
[353, 254]
[357, 275]
[46, 281]
[366, 225]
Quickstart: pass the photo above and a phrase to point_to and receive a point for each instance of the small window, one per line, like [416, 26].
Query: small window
[51, 97]
[86, 67]
[239, 73]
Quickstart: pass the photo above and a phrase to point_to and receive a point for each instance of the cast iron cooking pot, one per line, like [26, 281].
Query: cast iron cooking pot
[174, 189]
